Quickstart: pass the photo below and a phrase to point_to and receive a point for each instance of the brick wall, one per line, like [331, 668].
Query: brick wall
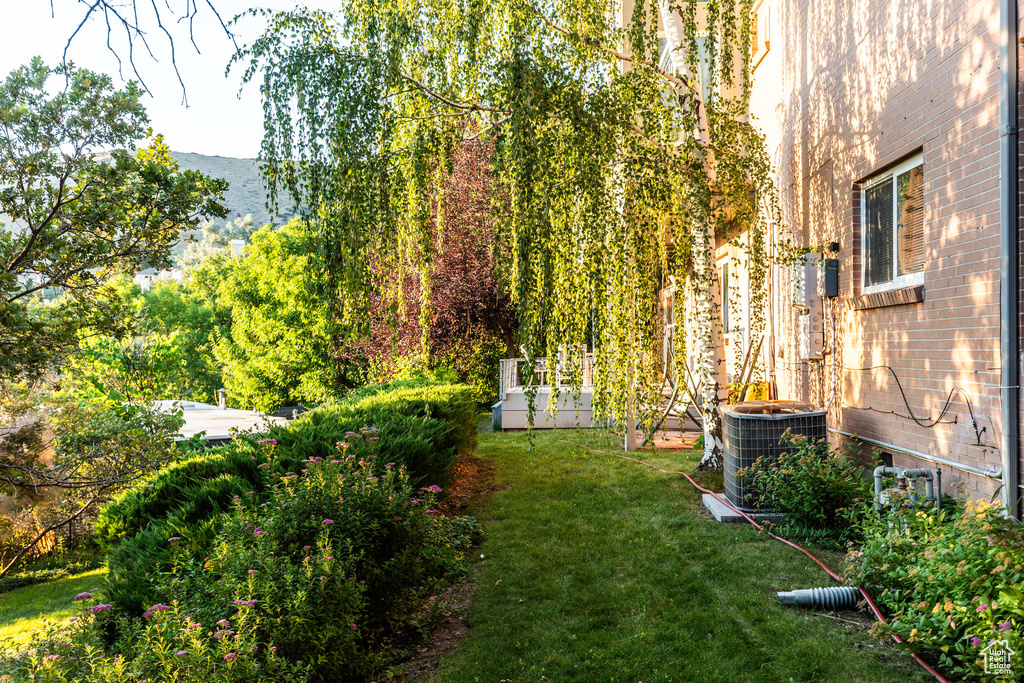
[849, 88]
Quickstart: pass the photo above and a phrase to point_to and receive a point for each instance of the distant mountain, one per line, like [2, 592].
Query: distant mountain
[246, 192]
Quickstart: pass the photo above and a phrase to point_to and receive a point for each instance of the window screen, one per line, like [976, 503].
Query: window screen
[910, 214]
[878, 233]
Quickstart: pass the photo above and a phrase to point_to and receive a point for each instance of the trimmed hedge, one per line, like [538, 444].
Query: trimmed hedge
[422, 428]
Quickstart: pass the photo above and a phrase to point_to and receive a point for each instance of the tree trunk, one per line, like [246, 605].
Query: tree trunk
[713, 365]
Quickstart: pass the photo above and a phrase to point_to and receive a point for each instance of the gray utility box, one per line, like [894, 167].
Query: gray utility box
[754, 430]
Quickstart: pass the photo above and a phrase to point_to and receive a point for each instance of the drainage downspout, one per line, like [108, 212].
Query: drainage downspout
[1008, 250]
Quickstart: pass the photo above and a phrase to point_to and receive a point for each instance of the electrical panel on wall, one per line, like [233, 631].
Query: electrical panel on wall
[810, 320]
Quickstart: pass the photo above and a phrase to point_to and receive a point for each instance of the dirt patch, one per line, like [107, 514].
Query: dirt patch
[472, 477]
[445, 633]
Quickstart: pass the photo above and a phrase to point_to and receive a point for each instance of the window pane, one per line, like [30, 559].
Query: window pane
[910, 217]
[878, 234]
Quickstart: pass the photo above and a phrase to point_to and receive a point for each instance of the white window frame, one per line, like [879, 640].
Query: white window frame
[898, 281]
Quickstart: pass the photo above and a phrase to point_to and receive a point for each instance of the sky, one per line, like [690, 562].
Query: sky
[218, 119]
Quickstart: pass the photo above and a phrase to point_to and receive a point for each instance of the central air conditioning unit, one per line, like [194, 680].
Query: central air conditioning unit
[754, 430]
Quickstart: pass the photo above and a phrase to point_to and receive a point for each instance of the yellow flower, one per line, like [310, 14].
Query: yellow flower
[937, 608]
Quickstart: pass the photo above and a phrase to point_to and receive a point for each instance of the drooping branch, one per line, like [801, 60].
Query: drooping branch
[123, 19]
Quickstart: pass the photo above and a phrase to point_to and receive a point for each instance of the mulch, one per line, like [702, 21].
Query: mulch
[472, 477]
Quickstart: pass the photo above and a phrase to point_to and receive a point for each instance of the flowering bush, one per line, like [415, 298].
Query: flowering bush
[310, 581]
[814, 484]
[951, 583]
[167, 646]
[331, 562]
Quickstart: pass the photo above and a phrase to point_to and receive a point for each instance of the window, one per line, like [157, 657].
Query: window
[893, 228]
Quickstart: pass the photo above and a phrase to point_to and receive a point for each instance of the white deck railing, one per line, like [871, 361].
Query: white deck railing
[514, 373]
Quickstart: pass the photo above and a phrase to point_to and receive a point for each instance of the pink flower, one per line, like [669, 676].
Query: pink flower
[975, 641]
[415, 501]
[159, 608]
[305, 547]
[244, 603]
[181, 653]
[430, 512]
[229, 656]
[83, 596]
[96, 609]
[434, 488]
[981, 608]
[343, 444]
[253, 571]
[272, 442]
[174, 539]
[1005, 626]
[390, 465]
[315, 459]
[328, 521]
[224, 623]
[398, 518]
[353, 627]
[51, 658]
[329, 557]
[194, 626]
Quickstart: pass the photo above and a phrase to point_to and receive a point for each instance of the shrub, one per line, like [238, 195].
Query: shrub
[814, 484]
[952, 583]
[311, 582]
[168, 646]
[423, 427]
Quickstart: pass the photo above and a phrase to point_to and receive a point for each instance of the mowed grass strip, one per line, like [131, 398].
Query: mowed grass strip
[26, 610]
[599, 569]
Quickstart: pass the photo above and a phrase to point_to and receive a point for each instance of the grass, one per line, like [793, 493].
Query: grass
[597, 569]
[26, 610]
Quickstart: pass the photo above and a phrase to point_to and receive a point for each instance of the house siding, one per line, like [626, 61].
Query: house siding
[850, 88]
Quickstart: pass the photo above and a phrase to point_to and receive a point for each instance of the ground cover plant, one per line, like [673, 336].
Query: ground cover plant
[310, 582]
[599, 569]
[951, 580]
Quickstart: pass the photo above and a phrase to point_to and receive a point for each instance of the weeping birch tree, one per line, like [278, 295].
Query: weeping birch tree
[621, 146]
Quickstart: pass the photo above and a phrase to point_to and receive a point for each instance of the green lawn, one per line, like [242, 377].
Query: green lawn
[25, 610]
[598, 569]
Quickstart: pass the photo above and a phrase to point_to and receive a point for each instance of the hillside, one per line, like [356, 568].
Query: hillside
[246, 193]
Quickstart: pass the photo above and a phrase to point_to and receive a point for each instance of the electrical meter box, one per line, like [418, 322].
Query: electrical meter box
[810, 327]
[828, 277]
[810, 320]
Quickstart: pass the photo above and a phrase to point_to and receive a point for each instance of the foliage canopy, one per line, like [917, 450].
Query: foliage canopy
[621, 142]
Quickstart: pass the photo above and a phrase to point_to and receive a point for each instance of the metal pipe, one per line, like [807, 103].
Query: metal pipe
[1009, 208]
[938, 489]
[991, 474]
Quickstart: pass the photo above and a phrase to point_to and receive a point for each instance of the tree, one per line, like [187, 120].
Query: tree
[217, 237]
[82, 208]
[471, 322]
[624, 160]
[281, 347]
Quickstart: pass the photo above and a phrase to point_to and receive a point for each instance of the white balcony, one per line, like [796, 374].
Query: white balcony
[517, 378]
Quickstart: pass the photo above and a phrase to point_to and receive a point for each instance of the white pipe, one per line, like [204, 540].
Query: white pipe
[991, 474]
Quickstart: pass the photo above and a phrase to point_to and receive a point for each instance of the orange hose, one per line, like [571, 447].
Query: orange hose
[756, 525]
